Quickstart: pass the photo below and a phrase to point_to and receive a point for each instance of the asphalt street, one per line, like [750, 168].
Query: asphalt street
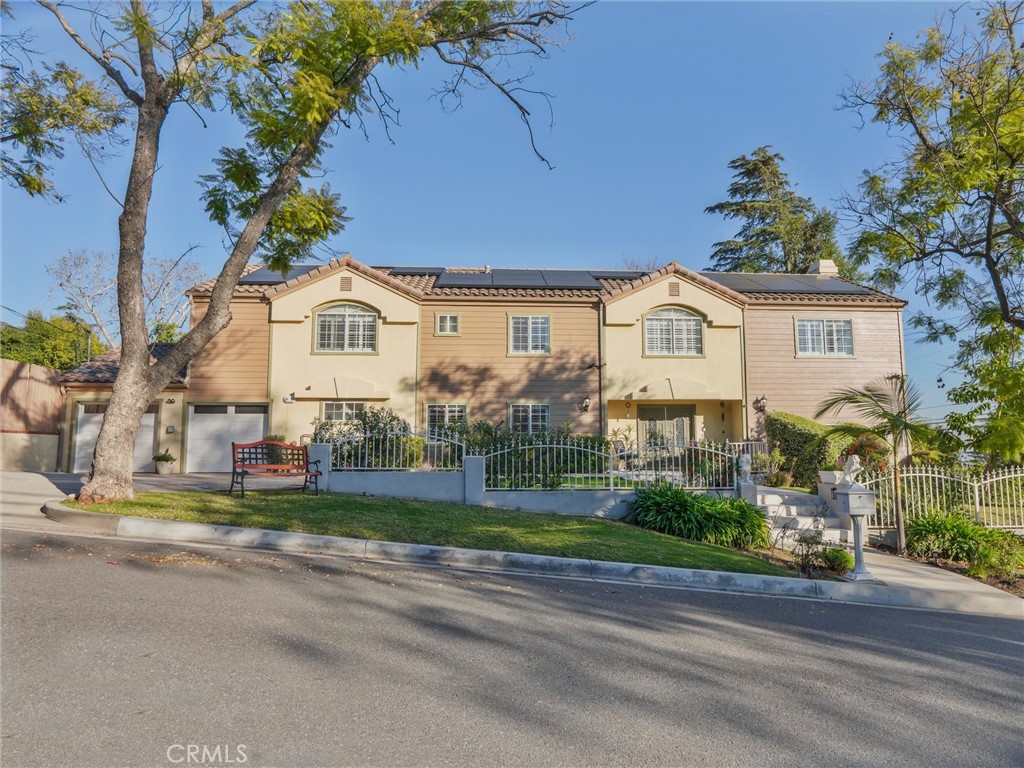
[121, 653]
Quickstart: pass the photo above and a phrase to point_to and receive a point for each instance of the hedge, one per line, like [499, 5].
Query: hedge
[800, 441]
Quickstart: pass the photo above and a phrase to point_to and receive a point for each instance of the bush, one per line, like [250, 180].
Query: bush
[779, 479]
[837, 560]
[726, 522]
[803, 444]
[987, 551]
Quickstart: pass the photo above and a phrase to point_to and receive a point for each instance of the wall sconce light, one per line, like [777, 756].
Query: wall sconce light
[584, 404]
[628, 406]
[761, 404]
[169, 401]
[288, 399]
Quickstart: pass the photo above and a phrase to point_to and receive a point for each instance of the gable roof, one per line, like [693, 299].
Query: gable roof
[103, 369]
[302, 274]
[678, 270]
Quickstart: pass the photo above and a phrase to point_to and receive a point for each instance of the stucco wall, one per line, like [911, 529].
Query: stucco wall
[630, 373]
[386, 377]
[28, 453]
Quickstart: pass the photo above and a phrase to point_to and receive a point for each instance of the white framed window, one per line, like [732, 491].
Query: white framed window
[447, 325]
[342, 411]
[529, 334]
[673, 331]
[346, 328]
[824, 337]
[441, 415]
[529, 417]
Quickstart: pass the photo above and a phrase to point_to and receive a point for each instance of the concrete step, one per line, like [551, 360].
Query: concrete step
[832, 532]
[767, 496]
[794, 510]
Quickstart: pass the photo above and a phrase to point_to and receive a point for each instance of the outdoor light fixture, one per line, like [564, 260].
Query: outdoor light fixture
[761, 404]
[585, 404]
[288, 399]
[169, 401]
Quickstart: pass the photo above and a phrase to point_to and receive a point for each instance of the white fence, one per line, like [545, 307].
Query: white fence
[526, 462]
[584, 463]
[424, 452]
[995, 499]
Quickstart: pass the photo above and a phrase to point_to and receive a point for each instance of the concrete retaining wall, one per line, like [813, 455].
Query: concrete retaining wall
[609, 504]
[428, 486]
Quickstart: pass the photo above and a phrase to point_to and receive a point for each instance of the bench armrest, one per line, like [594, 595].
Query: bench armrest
[314, 463]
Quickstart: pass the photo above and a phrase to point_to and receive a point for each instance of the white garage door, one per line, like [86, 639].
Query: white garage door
[90, 417]
[213, 428]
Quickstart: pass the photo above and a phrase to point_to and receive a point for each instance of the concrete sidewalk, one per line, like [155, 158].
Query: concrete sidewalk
[900, 582]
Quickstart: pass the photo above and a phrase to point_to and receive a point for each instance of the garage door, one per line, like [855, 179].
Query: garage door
[90, 417]
[213, 428]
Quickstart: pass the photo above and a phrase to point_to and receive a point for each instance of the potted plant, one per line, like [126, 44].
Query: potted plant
[163, 462]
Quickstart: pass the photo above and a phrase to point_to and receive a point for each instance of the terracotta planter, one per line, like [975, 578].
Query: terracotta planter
[164, 467]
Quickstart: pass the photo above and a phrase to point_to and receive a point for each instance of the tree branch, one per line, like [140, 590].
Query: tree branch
[104, 61]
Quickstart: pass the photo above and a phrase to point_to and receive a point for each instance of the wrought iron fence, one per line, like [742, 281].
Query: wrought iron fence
[419, 451]
[995, 499]
[749, 447]
[525, 463]
[542, 461]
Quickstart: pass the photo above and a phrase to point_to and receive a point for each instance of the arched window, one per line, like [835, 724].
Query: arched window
[346, 328]
[673, 331]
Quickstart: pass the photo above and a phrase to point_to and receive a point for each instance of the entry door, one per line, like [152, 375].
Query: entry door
[90, 418]
[669, 426]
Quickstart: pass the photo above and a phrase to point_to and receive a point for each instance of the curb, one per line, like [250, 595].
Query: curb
[537, 565]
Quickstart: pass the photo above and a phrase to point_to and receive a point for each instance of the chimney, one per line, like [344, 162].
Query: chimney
[823, 267]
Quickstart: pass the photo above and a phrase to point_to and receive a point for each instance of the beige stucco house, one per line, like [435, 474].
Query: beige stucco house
[684, 354]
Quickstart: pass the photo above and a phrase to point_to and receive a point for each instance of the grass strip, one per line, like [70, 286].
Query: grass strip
[440, 524]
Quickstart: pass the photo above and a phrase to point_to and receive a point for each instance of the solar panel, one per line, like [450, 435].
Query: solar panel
[571, 279]
[782, 283]
[615, 274]
[463, 280]
[413, 270]
[517, 278]
[265, 276]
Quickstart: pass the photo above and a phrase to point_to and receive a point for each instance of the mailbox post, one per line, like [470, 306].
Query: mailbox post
[857, 502]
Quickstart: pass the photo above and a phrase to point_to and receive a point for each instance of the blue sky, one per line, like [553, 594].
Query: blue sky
[651, 101]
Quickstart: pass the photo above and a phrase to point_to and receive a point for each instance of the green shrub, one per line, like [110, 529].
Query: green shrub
[836, 560]
[803, 444]
[987, 551]
[1000, 554]
[949, 536]
[726, 522]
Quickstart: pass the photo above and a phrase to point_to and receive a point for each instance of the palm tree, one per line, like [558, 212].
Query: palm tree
[889, 409]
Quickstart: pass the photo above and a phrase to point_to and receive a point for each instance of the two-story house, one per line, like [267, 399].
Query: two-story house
[684, 354]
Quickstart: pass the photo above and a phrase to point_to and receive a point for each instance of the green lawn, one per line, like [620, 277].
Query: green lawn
[450, 525]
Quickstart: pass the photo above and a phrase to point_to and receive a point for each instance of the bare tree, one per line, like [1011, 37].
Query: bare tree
[87, 281]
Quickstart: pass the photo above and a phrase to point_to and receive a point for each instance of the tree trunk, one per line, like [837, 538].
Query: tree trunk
[111, 476]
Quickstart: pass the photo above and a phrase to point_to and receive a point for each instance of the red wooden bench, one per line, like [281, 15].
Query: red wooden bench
[271, 458]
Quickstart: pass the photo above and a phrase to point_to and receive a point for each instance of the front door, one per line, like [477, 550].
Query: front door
[669, 426]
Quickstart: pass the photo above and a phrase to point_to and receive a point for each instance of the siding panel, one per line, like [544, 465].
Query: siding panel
[475, 368]
[235, 363]
[799, 384]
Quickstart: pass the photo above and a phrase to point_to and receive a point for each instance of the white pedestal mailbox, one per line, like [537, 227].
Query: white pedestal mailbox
[857, 502]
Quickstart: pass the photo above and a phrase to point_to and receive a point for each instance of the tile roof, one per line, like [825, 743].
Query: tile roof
[430, 282]
[103, 369]
[206, 288]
